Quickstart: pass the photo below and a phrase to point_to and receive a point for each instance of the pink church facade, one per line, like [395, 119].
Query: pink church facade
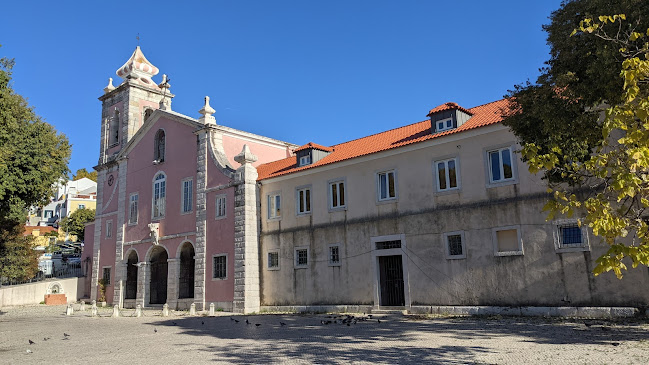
[176, 219]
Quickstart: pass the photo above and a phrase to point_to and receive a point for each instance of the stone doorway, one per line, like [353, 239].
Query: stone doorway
[391, 281]
[158, 283]
[131, 276]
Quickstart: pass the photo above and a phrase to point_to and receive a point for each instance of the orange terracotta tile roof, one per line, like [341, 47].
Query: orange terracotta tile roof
[313, 145]
[42, 230]
[483, 115]
[448, 106]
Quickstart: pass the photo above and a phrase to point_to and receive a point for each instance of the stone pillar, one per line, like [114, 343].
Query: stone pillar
[246, 235]
[201, 219]
[173, 270]
[94, 278]
[120, 266]
[143, 274]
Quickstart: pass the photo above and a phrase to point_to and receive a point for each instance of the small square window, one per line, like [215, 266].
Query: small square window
[49, 214]
[334, 255]
[274, 206]
[444, 125]
[273, 260]
[220, 206]
[82, 206]
[570, 237]
[301, 257]
[219, 266]
[386, 188]
[507, 241]
[455, 247]
[305, 160]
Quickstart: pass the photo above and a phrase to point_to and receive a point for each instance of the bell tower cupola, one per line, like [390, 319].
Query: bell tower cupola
[126, 107]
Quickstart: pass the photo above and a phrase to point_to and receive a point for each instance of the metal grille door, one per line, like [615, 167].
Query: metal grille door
[391, 271]
[131, 281]
[158, 285]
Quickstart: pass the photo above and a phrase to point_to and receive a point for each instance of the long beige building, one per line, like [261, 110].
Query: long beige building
[440, 212]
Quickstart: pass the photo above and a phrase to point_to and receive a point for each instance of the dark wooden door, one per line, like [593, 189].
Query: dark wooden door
[131, 280]
[391, 280]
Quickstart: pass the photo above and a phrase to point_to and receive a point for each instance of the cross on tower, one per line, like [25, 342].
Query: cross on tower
[138, 39]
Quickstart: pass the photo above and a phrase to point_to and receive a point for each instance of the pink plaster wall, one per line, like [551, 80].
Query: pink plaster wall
[88, 244]
[220, 240]
[180, 163]
[265, 153]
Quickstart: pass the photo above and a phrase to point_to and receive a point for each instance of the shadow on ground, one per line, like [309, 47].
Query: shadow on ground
[305, 338]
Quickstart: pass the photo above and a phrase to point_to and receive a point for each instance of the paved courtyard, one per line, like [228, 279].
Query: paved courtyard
[182, 339]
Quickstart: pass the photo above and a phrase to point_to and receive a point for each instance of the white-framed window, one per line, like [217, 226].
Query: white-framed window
[386, 185]
[507, 241]
[305, 160]
[273, 260]
[444, 124]
[455, 245]
[501, 165]
[48, 214]
[106, 275]
[337, 197]
[81, 206]
[569, 236]
[447, 174]
[159, 195]
[301, 257]
[187, 191]
[220, 267]
[274, 206]
[334, 255]
[132, 208]
[109, 228]
[220, 206]
[303, 200]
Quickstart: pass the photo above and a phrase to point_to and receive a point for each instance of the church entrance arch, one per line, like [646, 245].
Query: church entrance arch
[131, 275]
[186, 277]
[158, 283]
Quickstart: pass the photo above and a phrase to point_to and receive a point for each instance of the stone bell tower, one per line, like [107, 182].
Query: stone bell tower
[127, 106]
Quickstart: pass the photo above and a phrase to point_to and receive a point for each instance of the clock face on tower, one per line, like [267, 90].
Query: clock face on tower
[111, 179]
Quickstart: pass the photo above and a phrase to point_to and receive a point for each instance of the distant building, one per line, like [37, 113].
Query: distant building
[73, 195]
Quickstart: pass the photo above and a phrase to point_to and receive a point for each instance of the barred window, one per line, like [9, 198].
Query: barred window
[106, 276]
[273, 260]
[334, 255]
[301, 257]
[220, 267]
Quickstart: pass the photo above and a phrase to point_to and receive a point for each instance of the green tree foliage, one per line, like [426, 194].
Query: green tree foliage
[18, 260]
[81, 173]
[75, 222]
[32, 157]
[616, 174]
[563, 106]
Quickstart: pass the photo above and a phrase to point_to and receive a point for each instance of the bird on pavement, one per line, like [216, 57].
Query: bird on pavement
[65, 335]
[29, 351]
[155, 330]
[247, 322]
[236, 321]
[31, 342]
[202, 322]
[257, 324]
[282, 324]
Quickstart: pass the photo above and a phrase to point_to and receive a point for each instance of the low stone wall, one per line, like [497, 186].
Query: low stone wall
[34, 293]
[579, 312]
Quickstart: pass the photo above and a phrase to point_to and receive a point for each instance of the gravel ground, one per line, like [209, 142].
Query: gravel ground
[182, 339]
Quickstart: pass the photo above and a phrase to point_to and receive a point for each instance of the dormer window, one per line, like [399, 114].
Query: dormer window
[305, 160]
[445, 124]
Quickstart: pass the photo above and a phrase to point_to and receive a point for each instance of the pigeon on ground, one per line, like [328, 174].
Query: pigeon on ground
[31, 342]
[236, 321]
[202, 322]
[174, 323]
[155, 330]
[45, 338]
[29, 351]
[232, 319]
[378, 321]
[257, 324]
[282, 324]
[65, 335]
[247, 322]
[615, 343]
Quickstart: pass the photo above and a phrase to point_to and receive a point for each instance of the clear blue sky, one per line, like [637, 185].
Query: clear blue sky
[299, 71]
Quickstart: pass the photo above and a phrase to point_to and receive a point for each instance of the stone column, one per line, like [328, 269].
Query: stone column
[120, 275]
[94, 277]
[173, 270]
[201, 219]
[143, 274]
[246, 235]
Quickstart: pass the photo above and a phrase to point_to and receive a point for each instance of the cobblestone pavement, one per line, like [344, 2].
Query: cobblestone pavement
[397, 339]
